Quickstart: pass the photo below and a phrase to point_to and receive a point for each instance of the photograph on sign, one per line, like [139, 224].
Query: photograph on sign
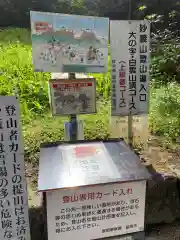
[13, 189]
[69, 43]
[97, 211]
[130, 60]
[72, 96]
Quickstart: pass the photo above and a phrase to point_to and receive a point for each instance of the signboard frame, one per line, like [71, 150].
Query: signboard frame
[69, 43]
[72, 82]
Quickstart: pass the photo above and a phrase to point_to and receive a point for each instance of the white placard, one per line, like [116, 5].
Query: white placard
[13, 190]
[97, 211]
[72, 96]
[130, 45]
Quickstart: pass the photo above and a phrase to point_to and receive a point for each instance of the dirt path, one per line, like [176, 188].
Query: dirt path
[166, 232]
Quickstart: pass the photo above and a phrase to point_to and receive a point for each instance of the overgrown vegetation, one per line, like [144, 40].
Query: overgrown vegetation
[17, 75]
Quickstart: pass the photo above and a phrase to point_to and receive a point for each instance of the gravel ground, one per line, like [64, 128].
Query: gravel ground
[167, 232]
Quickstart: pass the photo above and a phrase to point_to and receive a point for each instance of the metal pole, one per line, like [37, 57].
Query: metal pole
[130, 119]
[73, 117]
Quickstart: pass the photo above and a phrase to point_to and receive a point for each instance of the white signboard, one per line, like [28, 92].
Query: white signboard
[73, 96]
[130, 45]
[96, 212]
[69, 43]
[14, 220]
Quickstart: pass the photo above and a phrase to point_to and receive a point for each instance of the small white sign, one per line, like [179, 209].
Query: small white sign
[73, 96]
[130, 47]
[96, 212]
[14, 219]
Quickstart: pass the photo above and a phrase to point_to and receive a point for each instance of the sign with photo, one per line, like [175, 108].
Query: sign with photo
[72, 96]
[69, 43]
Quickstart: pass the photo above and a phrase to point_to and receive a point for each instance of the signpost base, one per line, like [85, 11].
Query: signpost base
[68, 130]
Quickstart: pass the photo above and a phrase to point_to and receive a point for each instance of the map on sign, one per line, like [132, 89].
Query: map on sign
[69, 43]
[72, 97]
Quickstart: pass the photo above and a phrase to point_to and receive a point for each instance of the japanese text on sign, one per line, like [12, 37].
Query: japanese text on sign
[108, 210]
[72, 97]
[13, 195]
[132, 43]
[144, 66]
[130, 67]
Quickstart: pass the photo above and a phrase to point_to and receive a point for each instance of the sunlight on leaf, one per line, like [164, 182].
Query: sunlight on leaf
[141, 8]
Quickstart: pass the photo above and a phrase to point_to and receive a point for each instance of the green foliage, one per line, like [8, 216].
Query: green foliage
[164, 111]
[17, 75]
[78, 7]
[165, 65]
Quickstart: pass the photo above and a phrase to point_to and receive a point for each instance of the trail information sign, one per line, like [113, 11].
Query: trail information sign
[73, 97]
[13, 192]
[130, 67]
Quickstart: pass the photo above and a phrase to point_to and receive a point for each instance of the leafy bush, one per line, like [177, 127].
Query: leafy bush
[164, 111]
[17, 75]
[165, 65]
